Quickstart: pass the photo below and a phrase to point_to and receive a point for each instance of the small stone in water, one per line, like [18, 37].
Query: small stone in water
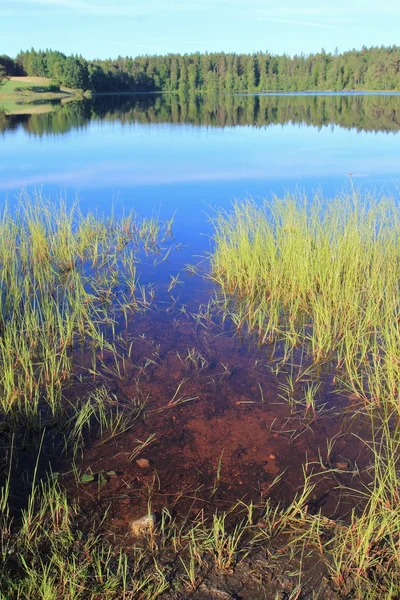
[272, 456]
[145, 523]
[143, 463]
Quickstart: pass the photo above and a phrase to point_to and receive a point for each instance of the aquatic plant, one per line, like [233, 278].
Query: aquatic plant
[65, 280]
[321, 275]
[318, 281]
[86, 285]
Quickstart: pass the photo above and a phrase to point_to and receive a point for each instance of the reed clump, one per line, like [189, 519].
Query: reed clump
[320, 280]
[323, 275]
[65, 279]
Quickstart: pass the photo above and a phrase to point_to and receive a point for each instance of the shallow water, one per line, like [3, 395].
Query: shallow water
[165, 155]
[232, 437]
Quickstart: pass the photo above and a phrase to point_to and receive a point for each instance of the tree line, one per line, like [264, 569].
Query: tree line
[375, 68]
[364, 113]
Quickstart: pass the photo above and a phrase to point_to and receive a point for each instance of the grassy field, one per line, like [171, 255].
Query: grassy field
[28, 95]
[28, 85]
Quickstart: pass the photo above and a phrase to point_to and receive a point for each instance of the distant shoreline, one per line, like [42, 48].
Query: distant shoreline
[18, 91]
[265, 93]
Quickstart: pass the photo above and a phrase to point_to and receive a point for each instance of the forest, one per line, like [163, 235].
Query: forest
[372, 68]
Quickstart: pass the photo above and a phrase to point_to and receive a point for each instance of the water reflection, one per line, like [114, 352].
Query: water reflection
[363, 113]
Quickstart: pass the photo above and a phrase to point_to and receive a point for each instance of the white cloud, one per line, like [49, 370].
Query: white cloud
[295, 12]
[297, 22]
[107, 8]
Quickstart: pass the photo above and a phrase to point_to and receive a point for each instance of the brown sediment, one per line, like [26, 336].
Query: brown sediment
[235, 439]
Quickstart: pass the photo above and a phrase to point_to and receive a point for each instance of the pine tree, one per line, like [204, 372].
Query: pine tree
[369, 68]
[75, 74]
[251, 75]
[174, 79]
[3, 75]
[184, 78]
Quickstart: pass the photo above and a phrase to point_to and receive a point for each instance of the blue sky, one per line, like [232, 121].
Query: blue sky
[103, 28]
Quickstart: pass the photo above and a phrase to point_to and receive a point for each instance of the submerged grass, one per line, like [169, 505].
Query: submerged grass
[65, 278]
[323, 275]
[68, 281]
[320, 279]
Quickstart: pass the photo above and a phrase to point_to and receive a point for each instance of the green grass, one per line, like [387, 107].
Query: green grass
[318, 281]
[10, 85]
[27, 94]
[28, 85]
[64, 278]
[323, 275]
[39, 89]
[45, 555]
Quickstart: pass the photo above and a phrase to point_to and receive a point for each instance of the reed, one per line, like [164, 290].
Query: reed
[319, 280]
[68, 281]
[320, 275]
[65, 279]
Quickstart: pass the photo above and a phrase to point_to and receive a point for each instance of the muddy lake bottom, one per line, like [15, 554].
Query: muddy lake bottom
[214, 433]
[218, 433]
[231, 420]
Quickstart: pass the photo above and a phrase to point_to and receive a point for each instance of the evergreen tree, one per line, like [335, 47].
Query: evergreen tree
[193, 77]
[251, 75]
[10, 66]
[369, 68]
[3, 75]
[75, 74]
[183, 77]
[174, 80]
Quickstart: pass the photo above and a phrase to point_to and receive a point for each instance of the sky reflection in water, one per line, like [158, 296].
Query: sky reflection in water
[166, 153]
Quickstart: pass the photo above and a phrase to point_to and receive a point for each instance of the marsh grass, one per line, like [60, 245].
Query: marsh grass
[320, 275]
[68, 283]
[319, 279]
[48, 556]
[65, 280]
[54, 551]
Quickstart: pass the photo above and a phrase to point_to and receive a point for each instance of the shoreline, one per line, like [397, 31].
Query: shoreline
[245, 93]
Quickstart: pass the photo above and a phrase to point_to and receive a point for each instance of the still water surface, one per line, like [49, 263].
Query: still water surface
[169, 154]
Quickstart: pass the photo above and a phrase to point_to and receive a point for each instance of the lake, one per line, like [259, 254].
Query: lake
[169, 154]
[217, 417]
